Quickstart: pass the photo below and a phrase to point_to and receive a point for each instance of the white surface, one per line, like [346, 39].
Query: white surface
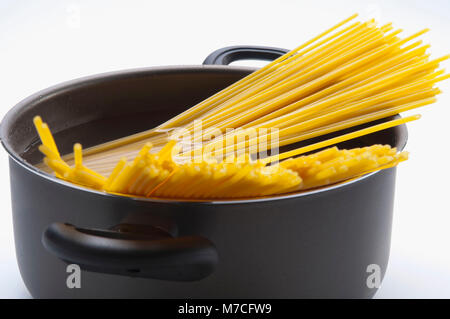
[46, 42]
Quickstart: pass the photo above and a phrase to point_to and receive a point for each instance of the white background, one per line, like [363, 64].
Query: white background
[46, 42]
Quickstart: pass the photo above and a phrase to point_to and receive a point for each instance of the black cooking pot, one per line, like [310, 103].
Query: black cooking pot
[318, 243]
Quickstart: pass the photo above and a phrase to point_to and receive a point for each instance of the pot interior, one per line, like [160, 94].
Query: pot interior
[101, 108]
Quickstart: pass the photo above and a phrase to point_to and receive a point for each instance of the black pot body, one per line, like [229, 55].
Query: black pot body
[318, 245]
[315, 244]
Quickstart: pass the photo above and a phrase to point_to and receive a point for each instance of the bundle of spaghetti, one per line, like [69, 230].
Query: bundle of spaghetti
[159, 174]
[244, 178]
[347, 108]
[331, 166]
[351, 74]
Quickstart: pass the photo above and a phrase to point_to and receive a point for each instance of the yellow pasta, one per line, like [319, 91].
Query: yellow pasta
[332, 165]
[351, 74]
[158, 175]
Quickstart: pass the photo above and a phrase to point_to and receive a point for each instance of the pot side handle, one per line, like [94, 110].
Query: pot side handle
[133, 250]
[230, 54]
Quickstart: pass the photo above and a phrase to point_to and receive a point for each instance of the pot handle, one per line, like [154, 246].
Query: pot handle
[227, 55]
[133, 250]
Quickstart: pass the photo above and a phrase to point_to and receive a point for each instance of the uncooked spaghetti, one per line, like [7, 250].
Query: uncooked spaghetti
[352, 74]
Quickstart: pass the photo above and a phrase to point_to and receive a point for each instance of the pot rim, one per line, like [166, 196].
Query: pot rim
[15, 111]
